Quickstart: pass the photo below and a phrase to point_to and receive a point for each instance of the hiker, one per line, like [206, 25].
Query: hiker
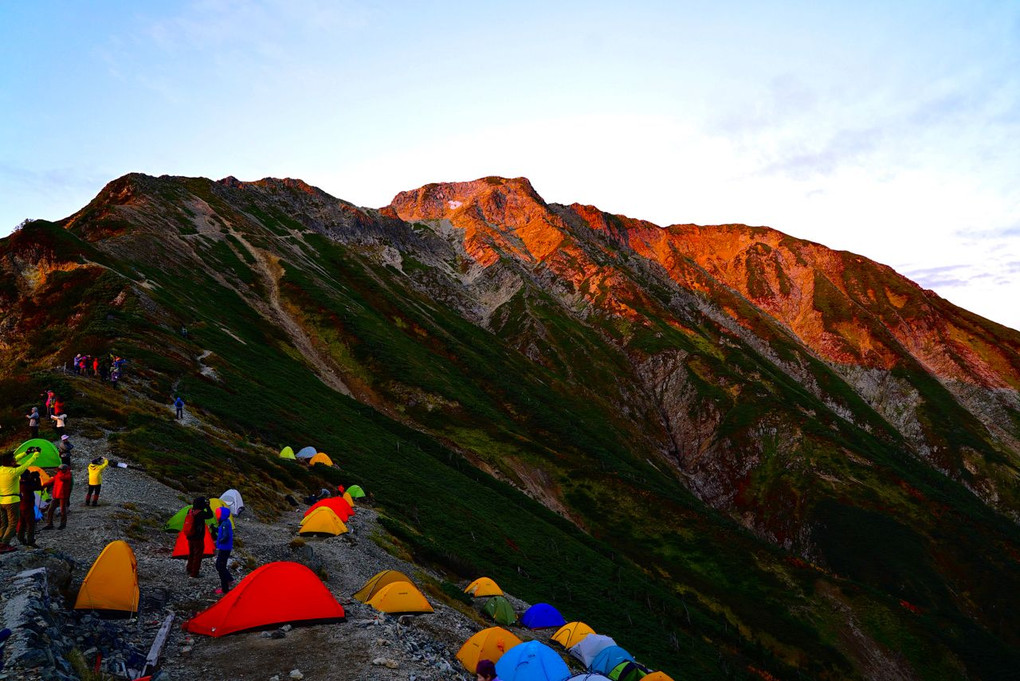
[95, 480]
[49, 402]
[485, 670]
[194, 530]
[58, 423]
[60, 489]
[58, 406]
[33, 421]
[114, 376]
[10, 496]
[95, 366]
[224, 545]
[75, 363]
[29, 483]
[64, 448]
[179, 406]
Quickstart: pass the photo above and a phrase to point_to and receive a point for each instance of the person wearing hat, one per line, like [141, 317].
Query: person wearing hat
[224, 545]
[10, 496]
[485, 671]
[61, 492]
[95, 480]
[64, 447]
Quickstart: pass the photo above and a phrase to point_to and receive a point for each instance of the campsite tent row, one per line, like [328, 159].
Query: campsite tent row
[599, 654]
[307, 454]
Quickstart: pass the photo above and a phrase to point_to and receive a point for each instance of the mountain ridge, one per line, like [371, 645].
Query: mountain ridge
[658, 386]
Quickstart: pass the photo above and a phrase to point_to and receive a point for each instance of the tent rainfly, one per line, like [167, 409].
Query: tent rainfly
[378, 581]
[532, 661]
[306, 453]
[320, 458]
[355, 491]
[542, 616]
[349, 499]
[275, 593]
[658, 676]
[500, 610]
[608, 658]
[628, 670]
[48, 457]
[339, 506]
[287, 453]
[111, 584]
[400, 597]
[572, 633]
[176, 522]
[589, 647]
[181, 545]
[487, 644]
[232, 498]
[322, 520]
[483, 586]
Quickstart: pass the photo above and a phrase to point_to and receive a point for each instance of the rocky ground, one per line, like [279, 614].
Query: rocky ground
[367, 645]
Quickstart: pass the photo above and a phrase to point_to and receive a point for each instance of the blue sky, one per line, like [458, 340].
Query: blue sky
[887, 129]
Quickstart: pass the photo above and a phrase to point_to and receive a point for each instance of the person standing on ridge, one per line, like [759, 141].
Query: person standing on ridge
[224, 545]
[194, 530]
[10, 496]
[58, 424]
[95, 366]
[179, 407]
[95, 480]
[33, 421]
[64, 448]
[58, 406]
[49, 402]
[29, 484]
[61, 492]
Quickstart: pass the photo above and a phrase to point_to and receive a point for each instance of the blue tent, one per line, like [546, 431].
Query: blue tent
[609, 658]
[542, 616]
[531, 661]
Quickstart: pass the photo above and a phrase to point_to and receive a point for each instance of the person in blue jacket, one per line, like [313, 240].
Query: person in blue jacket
[224, 545]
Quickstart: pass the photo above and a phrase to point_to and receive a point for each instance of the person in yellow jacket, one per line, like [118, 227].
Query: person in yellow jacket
[95, 480]
[10, 497]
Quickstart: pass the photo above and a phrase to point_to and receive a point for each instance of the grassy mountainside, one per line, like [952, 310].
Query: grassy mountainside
[700, 479]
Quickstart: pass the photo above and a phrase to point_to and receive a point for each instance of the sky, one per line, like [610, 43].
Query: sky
[889, 129]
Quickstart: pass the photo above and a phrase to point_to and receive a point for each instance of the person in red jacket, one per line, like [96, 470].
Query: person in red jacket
[61, 493]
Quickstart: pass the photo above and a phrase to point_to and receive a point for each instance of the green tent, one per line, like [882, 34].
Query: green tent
[499, 609]
[176, 522]
[355, 491]
[287, 453]
[48, 457]
[628, 670]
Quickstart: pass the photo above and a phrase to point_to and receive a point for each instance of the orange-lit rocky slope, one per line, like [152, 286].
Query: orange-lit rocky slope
[846, 308]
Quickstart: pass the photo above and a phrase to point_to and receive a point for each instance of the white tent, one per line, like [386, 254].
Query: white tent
[306, 453]
[590, 646]
[232, 499]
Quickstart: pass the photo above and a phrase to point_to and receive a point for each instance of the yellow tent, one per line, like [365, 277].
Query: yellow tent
[483, 586]
[572, 633]
[112, 582]
[322, 520]
[487, 644]
[659, 676]
[287, 453]
[377, 582]
[320, 458]
[349, 499]
[400, 597]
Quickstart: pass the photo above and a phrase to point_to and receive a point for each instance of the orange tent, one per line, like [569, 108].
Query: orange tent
[483, 586]
[320, 458]
[658, 676]
[322, 521]
[275, 593]
[572, 633]
[112, 581]
[349, 499]
[400, 597]
[378, 581]
[44, 477]
[181, 546]
[487, 644]
[339, 506]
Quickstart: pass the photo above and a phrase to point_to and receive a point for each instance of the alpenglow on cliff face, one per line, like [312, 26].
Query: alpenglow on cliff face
[771, 456]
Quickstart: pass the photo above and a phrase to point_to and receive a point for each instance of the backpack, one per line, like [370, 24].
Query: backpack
[189, 523]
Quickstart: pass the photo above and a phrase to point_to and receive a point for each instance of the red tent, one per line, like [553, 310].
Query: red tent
[338, 504]
[275, 593]
[181, 547]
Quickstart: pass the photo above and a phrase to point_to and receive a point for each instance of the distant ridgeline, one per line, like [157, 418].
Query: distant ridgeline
[741, 453]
